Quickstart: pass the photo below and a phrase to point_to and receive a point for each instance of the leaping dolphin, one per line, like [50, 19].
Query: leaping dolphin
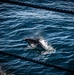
[37, 42]
[40, 43]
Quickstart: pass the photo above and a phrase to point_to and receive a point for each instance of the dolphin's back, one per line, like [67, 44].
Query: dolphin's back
[33, 41]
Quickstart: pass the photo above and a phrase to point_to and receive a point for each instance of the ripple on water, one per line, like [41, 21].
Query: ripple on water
[22, 22]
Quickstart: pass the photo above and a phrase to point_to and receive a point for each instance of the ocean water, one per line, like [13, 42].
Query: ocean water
[19, 22]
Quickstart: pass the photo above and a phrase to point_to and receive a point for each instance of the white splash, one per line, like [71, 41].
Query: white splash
[31, 46]
[46, 46]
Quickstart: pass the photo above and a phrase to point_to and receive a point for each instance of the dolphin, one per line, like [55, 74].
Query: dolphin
[41, 44]
[37, 42]
[32, 42]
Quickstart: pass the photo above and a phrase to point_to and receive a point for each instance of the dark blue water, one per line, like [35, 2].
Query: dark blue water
[17, 23]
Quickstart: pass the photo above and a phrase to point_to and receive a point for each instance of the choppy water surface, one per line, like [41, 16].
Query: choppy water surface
[17, 23]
